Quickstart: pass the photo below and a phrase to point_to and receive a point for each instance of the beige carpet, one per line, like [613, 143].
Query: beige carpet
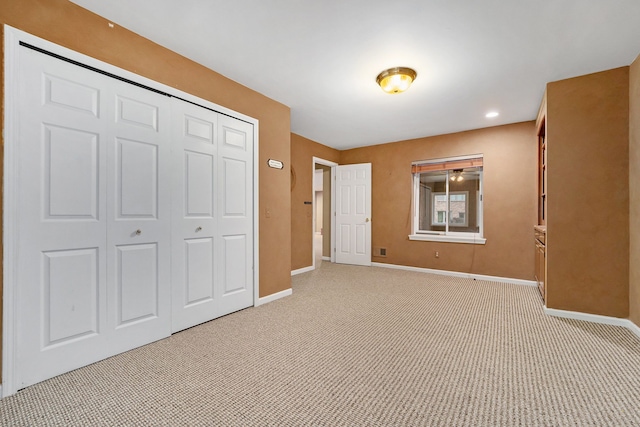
[359, 346]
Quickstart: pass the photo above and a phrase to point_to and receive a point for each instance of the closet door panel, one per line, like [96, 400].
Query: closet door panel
[198, 178]
[235, 214]
[70, 295]
[199, 271]
[137, 284]
[194, 228]
[61, 279]
[234, 249]
[234, 188]
[70, 163]
[137, 175]
[139, 216]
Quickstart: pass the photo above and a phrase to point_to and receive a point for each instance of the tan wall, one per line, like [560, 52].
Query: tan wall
[66, 24]
[634, 191]
[303, 151]
[588, 193]
[509, 200]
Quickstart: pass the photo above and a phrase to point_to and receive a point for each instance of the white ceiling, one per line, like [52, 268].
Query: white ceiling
[321, 57]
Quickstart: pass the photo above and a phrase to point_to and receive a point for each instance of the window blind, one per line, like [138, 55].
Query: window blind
[447, 165]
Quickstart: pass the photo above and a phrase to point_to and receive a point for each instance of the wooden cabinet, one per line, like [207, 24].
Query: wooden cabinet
[542, 169]
[541, 259]
[540, 230]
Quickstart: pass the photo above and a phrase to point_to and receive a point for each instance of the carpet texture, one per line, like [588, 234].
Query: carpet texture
[357, 346]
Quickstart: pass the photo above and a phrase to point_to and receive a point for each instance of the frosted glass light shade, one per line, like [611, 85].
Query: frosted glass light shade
[396, 80]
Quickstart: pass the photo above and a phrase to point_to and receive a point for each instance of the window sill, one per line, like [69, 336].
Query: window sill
[450, 239]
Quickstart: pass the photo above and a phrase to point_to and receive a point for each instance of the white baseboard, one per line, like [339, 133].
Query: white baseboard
[595, 318]
[457, 274]
[326, 258]
[302, 270]
[634, 328]
[273, 297]
[587, 317]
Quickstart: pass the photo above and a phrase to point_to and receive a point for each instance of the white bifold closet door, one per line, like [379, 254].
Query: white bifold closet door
[94, 217]
[135, 216]
[212, 220]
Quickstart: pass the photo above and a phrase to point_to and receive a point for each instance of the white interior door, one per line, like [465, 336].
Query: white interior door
[193, 221]
[138, 216]
[234, 206]
[212, 231]
[353, 214]
[62, 304]
[92, 172]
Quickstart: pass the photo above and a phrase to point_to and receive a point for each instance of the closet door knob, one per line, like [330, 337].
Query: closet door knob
[138, 232]
[199, 229]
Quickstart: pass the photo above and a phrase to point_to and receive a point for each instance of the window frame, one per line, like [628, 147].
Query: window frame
[446, 235]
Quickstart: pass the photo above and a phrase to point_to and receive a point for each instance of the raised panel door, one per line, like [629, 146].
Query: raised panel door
[235, 214]
[194, 232]
[353, 214]
[139, 216]
[61, 294]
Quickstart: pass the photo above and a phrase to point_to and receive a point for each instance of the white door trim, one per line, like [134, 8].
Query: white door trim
[9, 210]
[13, 37]
[256, 215]
[318, 160]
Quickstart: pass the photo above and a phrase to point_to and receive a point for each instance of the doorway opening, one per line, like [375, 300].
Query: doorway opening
[322, 230]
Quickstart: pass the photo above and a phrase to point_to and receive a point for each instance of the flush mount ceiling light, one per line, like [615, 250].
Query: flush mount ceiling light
[396, 80]
[457, 175]
[492, 114]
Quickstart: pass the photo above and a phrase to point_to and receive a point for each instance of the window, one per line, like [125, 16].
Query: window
[458, 208]
[447, 200]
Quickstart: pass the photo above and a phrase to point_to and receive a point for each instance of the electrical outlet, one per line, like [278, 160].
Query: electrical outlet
[437, 254]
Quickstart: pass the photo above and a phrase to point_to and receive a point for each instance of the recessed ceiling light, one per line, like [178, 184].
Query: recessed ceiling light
[492, 114]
